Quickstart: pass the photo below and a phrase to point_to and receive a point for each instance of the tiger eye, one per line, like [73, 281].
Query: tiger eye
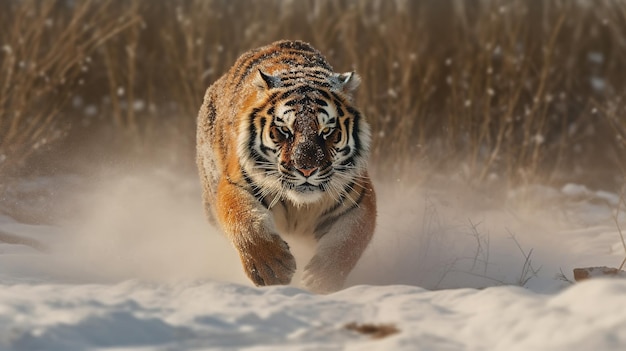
[285, 130]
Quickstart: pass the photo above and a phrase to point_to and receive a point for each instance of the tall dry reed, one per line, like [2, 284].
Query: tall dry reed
[46, 55]
[518, 90]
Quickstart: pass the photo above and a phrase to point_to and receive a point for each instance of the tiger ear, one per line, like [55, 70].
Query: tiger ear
[265, 81]
[347, 82]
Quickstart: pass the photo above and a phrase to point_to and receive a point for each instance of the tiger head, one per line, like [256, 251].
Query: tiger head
[305, 138]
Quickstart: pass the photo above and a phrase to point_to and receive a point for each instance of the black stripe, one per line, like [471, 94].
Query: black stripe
[339, 109]
[301, 59]
[354, 204]
[322, 85]
[356, 116]
[338, 100]
[296, 54]
[264, 148]
[318, 71]
[252, 129]
[239, 185]
[254, 189]
[295, 102]
[271, 99]
[212, 113]
[263, 123]
[302, 90]
[353, 111]
[252, 63]
[285, 95]
[243, 60]
[257, 157]
[346, 124]
[324, 94]
[301, 73]
[345, 150]
[320, 75]
[324, 226]
[340, 200]
[348, 162]
[320, 102]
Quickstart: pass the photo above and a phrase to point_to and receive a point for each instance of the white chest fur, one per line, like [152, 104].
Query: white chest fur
[297, 221]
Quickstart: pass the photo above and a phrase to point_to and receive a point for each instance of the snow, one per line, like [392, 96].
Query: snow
[226, 316]
[132, 265]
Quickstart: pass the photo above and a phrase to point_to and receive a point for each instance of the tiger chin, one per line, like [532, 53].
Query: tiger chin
[282, 150]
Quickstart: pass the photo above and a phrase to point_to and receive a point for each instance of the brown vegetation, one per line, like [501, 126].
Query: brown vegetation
[581, 274]
[375, 331]
[524, 90]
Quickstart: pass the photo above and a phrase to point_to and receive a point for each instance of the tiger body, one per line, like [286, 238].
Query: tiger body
[281, 150]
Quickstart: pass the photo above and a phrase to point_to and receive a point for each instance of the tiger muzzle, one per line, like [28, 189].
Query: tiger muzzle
[308, 156]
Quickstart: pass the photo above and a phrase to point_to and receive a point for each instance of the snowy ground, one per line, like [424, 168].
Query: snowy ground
[131, 264]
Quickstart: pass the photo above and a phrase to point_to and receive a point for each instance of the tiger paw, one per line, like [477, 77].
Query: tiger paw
[321, 277]
[268, 262]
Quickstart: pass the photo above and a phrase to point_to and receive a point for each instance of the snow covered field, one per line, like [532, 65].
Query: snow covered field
[131, 264]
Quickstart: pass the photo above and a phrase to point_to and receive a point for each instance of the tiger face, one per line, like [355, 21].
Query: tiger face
[306, 140]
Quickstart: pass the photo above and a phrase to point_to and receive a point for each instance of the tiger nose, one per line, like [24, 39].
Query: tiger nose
[307, 171]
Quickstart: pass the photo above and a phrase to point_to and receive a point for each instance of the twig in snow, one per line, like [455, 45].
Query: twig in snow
[528, 271]
[480, 250]
[619, 229]
[563, 277]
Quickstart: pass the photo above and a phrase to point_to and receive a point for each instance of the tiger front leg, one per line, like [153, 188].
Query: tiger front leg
[265, 257]
[340, 248]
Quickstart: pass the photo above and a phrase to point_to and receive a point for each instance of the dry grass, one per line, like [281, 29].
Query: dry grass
[519, 90]
[46, 50]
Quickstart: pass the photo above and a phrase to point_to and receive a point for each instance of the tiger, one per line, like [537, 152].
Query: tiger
[283, 150]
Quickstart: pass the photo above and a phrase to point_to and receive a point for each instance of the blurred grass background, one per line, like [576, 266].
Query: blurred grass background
[516, 91]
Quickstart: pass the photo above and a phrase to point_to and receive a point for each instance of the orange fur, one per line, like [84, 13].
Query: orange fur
[281, 150]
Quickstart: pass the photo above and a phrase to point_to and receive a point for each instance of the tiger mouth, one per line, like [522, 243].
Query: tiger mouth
[307, 188]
